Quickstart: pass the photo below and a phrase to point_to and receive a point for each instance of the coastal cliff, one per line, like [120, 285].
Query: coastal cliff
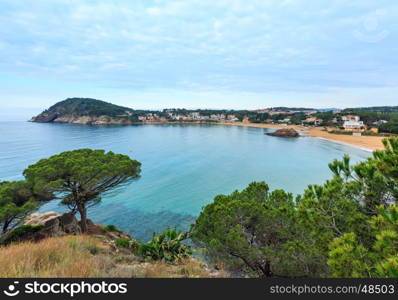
[83, 120]
[86, 111]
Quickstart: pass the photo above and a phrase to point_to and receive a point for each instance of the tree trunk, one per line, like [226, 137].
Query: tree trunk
[81, 207]
[265, 269]
[5, 226]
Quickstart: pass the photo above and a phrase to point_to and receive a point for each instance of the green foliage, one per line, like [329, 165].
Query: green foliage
[350, 257]
[373, 182]
[346, 227]
[87, 106]
[326, 117]
[167, 246]
[373, 114]
[345, 207]
[23, 230]
[17, 200]
[390, 127]
[256, 231]
[111, 228]
[347, 258]
[329, 210]
[373, 109]
[80, 177]
[122, 242]
[258, 117]
[298, 118]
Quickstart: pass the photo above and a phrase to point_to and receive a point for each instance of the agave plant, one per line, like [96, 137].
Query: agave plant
[167, 246]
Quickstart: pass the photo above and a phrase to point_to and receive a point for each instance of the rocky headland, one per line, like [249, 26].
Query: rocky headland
[86, 111]
[40, 226]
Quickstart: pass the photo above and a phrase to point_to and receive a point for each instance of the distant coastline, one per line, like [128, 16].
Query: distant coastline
[319, 124]
[367, 143]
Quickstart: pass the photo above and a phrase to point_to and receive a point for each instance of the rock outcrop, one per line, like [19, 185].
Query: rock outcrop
[43, 225]
[82, 120]
[37, 219]
[38, 226]
[284, 132]
[54, 224]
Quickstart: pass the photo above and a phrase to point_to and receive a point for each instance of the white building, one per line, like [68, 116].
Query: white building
[353, 125]
[350, 118]
[195, 116]
[377, 123]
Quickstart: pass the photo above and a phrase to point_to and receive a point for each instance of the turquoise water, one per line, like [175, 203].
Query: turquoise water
[183, 166]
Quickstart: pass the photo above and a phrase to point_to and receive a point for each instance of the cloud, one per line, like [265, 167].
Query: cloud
[232, 46]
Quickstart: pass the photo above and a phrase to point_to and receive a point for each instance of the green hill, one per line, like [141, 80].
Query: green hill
[72, 110]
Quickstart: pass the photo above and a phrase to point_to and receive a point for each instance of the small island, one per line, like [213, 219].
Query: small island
[284, 132]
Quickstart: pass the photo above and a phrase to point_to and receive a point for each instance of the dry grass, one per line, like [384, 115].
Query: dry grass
[85, 256]
[71, 256]
[189, 268]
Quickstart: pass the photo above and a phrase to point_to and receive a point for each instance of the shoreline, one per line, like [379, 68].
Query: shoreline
[345, 144]
[366, 143]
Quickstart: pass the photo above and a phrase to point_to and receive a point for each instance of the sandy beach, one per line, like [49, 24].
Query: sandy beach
[368, 143]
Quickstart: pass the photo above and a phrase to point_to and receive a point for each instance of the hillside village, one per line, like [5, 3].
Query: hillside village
[335, 119]
[171, 115]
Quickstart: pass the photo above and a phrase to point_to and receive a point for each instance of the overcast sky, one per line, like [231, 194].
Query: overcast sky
[198, 53]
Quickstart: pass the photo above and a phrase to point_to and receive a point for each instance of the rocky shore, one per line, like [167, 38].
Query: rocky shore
[284, 132]
[82, 120]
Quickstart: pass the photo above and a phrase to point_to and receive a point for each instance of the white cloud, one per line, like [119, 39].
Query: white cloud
[236, 46]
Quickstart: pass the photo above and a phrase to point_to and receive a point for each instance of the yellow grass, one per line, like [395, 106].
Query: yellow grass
[85, 256]
[70, 256]
[190, 268]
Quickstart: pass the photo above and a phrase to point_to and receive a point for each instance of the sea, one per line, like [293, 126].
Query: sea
[183, 166]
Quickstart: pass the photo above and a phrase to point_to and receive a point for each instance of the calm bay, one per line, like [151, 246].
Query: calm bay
[183, 166]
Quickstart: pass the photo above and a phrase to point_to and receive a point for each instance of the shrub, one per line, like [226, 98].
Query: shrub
[67, 173]
[24, 230]
[349, 256]
[111, 228]
[128, 243]
[17, 200]
[166, 246]
[257, 232]
[122, 242]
